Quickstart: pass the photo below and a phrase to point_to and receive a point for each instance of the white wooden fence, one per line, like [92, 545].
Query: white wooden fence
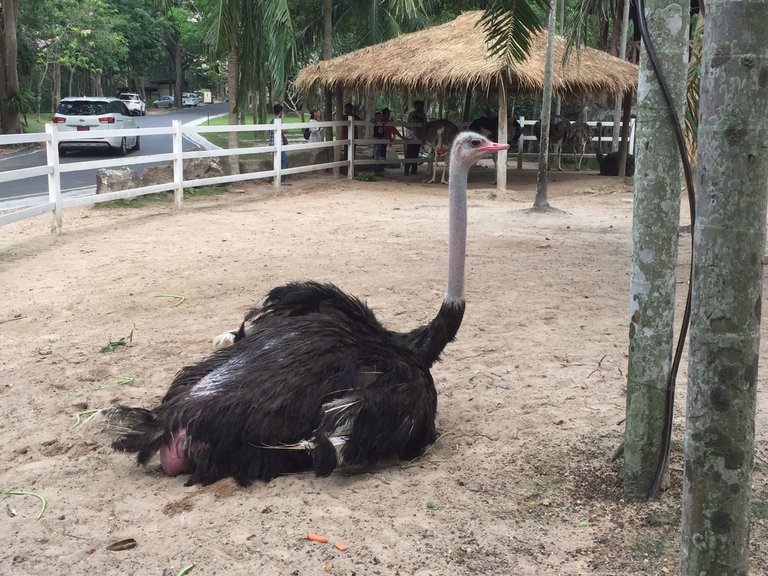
[13, 210]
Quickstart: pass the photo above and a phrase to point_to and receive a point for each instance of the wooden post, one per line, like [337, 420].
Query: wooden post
[501, 161]
[54, 177]
[178, 165]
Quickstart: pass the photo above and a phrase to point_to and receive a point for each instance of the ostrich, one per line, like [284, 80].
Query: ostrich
[312, 380]
[558, 131]
[609, 163]
[438, 138]
[579, 135]
[489, 127]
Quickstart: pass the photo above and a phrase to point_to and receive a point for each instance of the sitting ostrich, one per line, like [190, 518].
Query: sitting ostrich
[579, 135]
[558, 131]
[311, 381]
[437, 140]
[609, 163]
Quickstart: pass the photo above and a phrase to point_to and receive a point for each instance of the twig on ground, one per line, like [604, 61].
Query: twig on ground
[43, 501]
[179, 299]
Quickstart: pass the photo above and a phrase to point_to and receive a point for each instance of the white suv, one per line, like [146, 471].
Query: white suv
[189, 99]
[134, 103]
[94, 115]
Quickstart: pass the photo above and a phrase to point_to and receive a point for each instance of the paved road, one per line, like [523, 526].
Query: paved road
[86, 179]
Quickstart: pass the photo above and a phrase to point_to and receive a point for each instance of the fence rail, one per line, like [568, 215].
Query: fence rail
[16, 209]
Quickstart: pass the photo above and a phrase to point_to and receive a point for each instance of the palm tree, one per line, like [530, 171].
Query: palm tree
[257, 40]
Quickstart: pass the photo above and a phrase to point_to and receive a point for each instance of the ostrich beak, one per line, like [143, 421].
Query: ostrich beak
[492, 147]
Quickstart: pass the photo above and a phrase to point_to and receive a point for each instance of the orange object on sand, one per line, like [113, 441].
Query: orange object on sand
[341, 546]
[316, 538]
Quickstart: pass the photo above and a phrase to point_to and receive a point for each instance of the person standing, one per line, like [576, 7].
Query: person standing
[390, 130]
[349, 110]
[315, 132]
[416, 116]
[379, 150]
[278, 111]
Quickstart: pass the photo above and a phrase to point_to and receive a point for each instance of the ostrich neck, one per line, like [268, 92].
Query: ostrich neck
[457, 236]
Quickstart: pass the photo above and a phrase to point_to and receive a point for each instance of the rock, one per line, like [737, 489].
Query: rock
[196, 168]
[114, 179]
[157, 175]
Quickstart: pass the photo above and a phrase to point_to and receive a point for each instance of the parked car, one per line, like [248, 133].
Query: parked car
[163, 102]
[189, 99]
[135, 104]
[95, 114]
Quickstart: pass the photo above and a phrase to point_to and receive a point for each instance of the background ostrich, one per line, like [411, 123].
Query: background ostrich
[609, 163]
[489, 127]
[558, 131]
[311, 381]
[579, 135]
[438, 138]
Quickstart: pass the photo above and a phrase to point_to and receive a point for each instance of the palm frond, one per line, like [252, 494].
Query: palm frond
[509, 26]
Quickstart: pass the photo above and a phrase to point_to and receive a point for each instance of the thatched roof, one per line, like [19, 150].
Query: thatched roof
[454, 56]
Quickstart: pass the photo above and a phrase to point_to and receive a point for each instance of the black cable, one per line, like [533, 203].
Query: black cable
[672, 377]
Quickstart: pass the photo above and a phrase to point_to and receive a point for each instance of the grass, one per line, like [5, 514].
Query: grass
[256, 138]
[162, 197]
[36, 123]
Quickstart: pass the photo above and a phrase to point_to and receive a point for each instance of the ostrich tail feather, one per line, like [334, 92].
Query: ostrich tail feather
[135, 430]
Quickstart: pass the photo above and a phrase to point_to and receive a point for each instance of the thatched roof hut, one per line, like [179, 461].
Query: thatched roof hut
[455, 56]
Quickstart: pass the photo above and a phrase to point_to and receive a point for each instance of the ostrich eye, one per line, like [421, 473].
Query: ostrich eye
[475, 142]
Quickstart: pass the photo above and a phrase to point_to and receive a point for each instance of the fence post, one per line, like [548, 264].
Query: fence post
[521, 144]
[54, 177]
[631, 137]
[277, 160]
[178, 165]
[351, 147]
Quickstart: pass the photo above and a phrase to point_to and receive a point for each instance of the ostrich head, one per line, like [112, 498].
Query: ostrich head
[467, 149]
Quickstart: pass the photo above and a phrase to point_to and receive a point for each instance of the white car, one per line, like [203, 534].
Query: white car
[189, 99]
[95, 114]
[135, 104]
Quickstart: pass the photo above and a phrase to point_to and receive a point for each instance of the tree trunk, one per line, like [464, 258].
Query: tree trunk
[730, 235]
[327, 55]
[654, 246]
[233, 141]
[618, 95]
[179, 85]
[55, 84]
[541, 202]
[97, 88]
[10, 120]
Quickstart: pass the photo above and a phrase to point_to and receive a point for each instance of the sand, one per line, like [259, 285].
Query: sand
[531, 394]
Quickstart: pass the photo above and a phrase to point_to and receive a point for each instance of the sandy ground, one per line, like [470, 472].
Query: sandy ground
[531, 395]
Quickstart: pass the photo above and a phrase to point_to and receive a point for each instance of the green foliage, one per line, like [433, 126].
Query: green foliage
[509, 24]
[21, 102]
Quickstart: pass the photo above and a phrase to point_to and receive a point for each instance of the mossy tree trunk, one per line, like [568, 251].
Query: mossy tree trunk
[727, 288]
[654, 245]
[541, 202]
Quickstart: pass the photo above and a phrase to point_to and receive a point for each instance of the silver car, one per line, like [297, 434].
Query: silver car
[163, 102]
[95, 114]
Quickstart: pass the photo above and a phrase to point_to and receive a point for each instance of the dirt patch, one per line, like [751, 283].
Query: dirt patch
[531, 394]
